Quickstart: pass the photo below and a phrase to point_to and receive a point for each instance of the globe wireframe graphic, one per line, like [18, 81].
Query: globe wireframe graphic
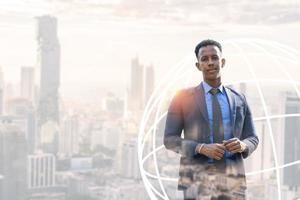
[269, 74]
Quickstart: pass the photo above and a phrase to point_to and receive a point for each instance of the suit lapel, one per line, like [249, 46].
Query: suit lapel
[200, 101]
[231, 100]
[199, 96]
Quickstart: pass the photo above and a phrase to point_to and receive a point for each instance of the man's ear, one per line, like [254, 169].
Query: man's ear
[223, 61]
[198, 66]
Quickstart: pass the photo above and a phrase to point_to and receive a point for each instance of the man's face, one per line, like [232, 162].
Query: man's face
[210, 62]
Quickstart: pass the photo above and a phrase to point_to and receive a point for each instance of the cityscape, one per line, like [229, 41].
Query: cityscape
[53, 147]
[53, 151]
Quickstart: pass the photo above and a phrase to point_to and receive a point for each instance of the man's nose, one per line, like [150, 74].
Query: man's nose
[210, 61]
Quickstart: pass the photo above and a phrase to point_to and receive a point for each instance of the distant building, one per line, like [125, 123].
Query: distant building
[27, 83]
[113, 104]
[130, 165]
[149, 83]
[69, 136]
[141, 87]
[49, 137]
[81, 164]
[13, 151]
[107, 136]
[41, 171]
[136, 85]
[49, 65]
[18, 107]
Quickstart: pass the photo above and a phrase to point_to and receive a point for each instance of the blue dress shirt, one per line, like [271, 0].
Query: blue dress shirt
[225, 108]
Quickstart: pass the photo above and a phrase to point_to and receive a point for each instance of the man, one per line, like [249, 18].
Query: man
[218, 132]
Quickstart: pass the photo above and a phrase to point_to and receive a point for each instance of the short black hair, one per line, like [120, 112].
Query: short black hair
[205, 43]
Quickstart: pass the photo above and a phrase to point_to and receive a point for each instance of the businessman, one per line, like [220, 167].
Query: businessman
[211, 127]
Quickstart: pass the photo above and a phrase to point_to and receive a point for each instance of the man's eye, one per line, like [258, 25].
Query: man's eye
[215, 58]
[204, 59]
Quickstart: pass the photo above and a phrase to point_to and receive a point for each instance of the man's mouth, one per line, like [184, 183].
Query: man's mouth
[212, 70]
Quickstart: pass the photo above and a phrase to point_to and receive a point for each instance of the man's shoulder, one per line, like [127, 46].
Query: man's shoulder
[237, 94]
[186, 91]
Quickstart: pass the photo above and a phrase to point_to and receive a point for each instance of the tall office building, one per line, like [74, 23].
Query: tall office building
[49, 137]
[49, 65]
[149, 83]
[291, 143]
[129, 162]
[31, 131]
[136, 85]
[27, 83]
[13, 154]
[1, 91]
[41, 171]
[141, 88]
[69, 137]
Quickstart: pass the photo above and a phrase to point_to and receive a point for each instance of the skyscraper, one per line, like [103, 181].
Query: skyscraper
[31, 131]
[141, 87]
[136, 85]
[130, 168]
[69, 137]
[13, 161]
[49, 65]
[149, 83]
[27, 83]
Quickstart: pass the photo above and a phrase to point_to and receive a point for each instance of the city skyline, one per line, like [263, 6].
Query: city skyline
[103, 36]
[109, 63]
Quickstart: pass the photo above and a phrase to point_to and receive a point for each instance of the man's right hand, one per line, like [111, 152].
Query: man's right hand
[214, 150]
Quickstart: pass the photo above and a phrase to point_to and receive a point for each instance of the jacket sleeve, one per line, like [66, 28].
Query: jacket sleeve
[173, 129]
[248, 132]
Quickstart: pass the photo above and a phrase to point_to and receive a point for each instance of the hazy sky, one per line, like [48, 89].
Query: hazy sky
[98, 37]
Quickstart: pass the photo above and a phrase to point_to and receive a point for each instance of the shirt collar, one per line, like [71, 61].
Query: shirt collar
[207, 87]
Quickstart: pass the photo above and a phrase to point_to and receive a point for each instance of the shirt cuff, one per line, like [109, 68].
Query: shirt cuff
[198, 148]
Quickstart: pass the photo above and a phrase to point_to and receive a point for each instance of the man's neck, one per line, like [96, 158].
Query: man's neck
[214, 83]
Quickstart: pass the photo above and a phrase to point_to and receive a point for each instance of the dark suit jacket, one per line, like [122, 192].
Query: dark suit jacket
[188, 112]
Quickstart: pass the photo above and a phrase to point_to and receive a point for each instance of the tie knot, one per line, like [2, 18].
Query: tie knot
[214, 91]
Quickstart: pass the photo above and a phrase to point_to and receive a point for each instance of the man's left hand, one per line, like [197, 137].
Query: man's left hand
[234, 145]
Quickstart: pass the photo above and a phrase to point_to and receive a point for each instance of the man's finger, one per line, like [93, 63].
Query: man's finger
[231, 140]
[219, 154]
[235, 149]
[232, 144]
[222, 151]
[216, 154]
[221, 146]
[218, 157]
[225, 142]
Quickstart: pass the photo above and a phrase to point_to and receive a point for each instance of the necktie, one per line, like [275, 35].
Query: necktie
[218, 129]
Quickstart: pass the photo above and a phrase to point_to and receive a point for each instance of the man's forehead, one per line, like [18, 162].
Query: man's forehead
[209, 50]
